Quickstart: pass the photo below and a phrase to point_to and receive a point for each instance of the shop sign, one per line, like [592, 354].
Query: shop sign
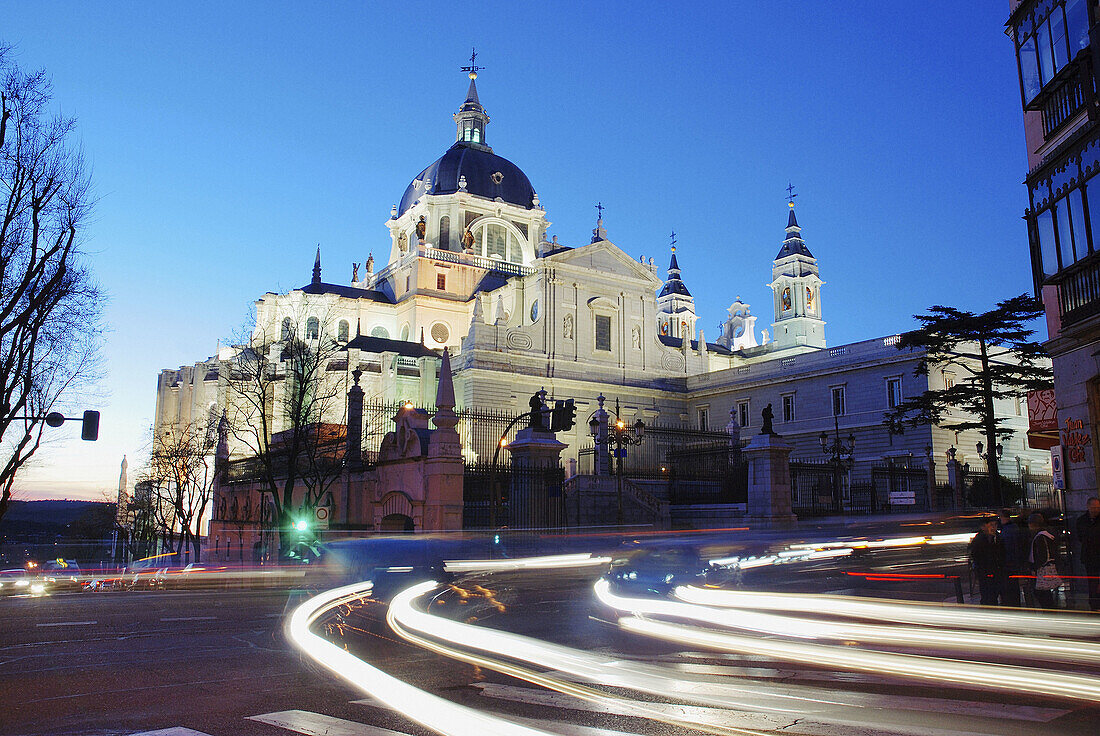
[1058, 472]
[1074, 440]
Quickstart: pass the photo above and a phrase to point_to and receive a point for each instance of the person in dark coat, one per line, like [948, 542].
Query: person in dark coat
[1044, 547]
[1014, 536]
[987, 557]
[1088, 536]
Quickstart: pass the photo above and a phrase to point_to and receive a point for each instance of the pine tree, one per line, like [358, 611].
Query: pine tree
[996, 359]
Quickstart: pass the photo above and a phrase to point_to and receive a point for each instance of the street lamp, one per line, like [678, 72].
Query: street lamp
[1000, 449]
[840, 457]
[615, 434]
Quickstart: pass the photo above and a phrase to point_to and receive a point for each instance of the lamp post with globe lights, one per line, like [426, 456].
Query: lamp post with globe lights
[615, 434]
[840, 454]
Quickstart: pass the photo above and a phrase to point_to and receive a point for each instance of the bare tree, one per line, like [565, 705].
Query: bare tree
[285, 402]
[49, 304]
[182, 466]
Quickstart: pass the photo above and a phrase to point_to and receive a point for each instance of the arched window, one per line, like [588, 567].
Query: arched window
[342, 330]
[444, 233]
[287, 331]
[313, 328]
[405, 332]
[477, 135]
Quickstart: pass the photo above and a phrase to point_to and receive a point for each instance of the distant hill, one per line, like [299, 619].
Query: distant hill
[39, 519]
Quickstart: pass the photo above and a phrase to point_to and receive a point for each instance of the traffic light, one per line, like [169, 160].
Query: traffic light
[89, 427]
[563, 416]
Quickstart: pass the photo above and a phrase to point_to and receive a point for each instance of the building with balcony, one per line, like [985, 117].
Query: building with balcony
[1057, 49]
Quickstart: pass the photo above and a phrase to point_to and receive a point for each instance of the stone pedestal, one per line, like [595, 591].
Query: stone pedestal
[532, 499]
[769, 501]
[533, 448]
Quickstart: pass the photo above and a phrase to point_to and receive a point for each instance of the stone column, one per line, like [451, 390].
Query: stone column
[931, 483]
[353, 452]
[954, 479]
[443, 477]
[529, 500]
[769, 501]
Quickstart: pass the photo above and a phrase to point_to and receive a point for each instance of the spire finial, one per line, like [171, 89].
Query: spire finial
[599, 211]
[473, 69]
[317, 266]
[790, 194]
[673, 236]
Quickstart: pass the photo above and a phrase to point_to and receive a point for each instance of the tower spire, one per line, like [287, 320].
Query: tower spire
[317, 266]
[471, 117]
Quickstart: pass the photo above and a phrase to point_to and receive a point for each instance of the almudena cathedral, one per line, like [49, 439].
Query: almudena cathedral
[470, 268]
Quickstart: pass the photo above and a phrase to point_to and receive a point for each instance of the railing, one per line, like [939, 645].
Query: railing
[1066, 99]
[1079, 290]
[492, 264]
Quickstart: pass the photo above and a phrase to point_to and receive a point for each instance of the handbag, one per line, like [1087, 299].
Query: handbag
[1046, 577]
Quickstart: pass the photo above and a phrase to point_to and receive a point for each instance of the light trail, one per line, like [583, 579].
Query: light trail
[548, 562]
[849, 709]
[997, 677]
[1063, 650]
[401, 611]
[431, 711]
[907, 612]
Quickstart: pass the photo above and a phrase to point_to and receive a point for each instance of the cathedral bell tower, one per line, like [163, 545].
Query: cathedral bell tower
[675, 305]
[796, 289]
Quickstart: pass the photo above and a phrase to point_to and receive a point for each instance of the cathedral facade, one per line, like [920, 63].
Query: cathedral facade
[469, 266]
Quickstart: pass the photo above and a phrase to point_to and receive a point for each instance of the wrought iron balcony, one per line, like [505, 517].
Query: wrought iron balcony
[1065, 96]
[1079, 290]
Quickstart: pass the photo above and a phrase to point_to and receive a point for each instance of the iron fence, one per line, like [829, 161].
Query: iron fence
[512, 496]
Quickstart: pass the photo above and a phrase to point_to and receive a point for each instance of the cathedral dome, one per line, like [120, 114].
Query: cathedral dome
[486, 175]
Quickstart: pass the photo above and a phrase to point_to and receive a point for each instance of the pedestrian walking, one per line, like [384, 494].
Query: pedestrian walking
[1014, 536]
[987, 558]
[1043, 556]
[1088, 536]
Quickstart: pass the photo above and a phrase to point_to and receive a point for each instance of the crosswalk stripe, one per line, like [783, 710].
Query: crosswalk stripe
[695, 713]
[565, 728]
[317, 724]
[728, 718]
[174, 731]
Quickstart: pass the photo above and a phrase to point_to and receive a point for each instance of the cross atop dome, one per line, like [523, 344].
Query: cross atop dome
[471, 117]
[599, 233]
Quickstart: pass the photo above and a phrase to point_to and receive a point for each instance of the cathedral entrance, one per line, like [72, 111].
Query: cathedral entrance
[396, 523]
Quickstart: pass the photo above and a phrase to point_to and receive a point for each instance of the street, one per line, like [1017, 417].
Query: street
[547, 644]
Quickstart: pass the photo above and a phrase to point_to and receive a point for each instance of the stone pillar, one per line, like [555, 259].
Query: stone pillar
[443, 477]
[931, 483]
[353, 452]
[529, 499]
[769, 501]
[601, 453]
[954, 479]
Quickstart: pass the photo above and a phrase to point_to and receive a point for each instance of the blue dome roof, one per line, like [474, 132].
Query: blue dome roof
[480, 167]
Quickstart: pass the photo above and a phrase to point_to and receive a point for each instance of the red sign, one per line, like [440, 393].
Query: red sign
[1042, 411]
[1074, 440]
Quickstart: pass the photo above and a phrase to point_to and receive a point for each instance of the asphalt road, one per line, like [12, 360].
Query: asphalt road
[220, 663]
[120, 663]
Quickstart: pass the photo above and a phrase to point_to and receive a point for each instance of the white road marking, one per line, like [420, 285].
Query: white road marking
[696, 713]
[174, 731]
[69, 623]
[318, 724]
[190, 618]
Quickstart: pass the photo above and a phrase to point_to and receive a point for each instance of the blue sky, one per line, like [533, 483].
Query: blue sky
[228, 139]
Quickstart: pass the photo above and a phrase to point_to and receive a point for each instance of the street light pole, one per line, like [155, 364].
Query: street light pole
[840, 457]
[618, 435]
